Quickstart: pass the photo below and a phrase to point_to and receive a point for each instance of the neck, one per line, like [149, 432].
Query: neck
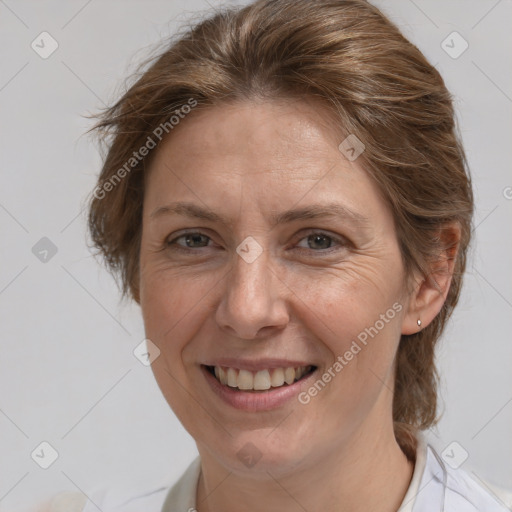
[369, 471]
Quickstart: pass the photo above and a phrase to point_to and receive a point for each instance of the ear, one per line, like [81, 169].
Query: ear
[430, 291]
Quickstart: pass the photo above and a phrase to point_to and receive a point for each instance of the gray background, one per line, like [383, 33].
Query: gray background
[67, 372]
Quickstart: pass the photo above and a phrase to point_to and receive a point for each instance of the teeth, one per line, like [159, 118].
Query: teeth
[277, 378]
[245, 380]
[222, 376]
[232, 378]
[261, 380]
[289, 375]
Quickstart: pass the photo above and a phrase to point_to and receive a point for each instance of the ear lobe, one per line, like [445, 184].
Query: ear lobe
[430, 291]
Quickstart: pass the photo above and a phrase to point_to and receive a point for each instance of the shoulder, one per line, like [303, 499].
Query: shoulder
[167, 495]
[67, 501]
[107, 499]
[120, 499]
[462, 492]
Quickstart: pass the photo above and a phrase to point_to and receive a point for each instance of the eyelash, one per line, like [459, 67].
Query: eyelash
[342, 242]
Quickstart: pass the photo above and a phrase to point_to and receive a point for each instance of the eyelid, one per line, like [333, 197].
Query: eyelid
[168, 241]
[341, 240]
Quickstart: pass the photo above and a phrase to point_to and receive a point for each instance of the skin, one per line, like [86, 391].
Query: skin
[296, 300]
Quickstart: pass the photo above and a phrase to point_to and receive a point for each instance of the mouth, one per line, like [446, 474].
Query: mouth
[259, 381]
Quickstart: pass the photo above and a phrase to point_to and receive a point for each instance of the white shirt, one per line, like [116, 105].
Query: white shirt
[434, 487]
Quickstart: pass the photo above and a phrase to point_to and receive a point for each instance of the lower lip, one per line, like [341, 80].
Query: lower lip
[255, 401]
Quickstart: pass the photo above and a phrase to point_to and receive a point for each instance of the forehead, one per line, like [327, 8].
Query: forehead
[258, 156]
[254, 137]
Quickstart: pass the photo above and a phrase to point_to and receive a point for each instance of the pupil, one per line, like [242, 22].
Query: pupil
[316, 238]
[193, 238]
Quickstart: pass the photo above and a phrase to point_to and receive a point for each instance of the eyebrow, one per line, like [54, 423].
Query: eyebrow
[313, 211]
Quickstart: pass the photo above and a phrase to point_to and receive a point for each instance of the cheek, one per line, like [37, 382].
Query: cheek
[357, 320]
[170, 305]
[343, 302]
[362, 346]
[171, 308]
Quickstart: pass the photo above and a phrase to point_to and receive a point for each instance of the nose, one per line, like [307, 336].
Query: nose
[253, 303]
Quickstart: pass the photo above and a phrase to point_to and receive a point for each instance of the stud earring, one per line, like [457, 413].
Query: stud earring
[419, 322]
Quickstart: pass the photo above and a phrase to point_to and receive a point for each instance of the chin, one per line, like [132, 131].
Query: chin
[262, 452]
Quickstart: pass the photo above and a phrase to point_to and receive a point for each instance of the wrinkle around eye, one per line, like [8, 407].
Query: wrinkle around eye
[341, 245]
[337, 242]
[174, 240]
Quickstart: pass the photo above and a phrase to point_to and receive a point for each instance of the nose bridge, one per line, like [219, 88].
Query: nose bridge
[251, 299]
[251, 276]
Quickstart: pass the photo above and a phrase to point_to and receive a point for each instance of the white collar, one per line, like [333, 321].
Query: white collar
[183, 494]
[434, 487]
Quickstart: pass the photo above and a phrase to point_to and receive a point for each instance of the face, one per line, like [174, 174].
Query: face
[264, 249]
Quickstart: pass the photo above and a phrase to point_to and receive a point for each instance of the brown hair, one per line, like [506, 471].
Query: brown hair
[377, 86]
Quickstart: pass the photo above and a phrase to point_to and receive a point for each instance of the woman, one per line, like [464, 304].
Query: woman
[285, 196]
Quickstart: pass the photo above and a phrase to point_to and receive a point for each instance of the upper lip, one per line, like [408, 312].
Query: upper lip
[257, 364]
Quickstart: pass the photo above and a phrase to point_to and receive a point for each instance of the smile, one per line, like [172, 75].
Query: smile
[262, 380]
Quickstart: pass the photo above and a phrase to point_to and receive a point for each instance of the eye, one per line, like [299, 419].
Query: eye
[317, 241]
[322, 242]
[192, 240]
